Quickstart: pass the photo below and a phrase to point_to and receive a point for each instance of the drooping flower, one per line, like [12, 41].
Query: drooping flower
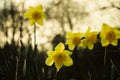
[73, 39]
[109, 35]
[60, 57]
[35, 14]
[90, 39]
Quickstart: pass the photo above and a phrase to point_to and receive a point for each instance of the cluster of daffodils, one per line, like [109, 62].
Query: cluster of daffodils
[61, 57]
[84, 40]
[108, 35]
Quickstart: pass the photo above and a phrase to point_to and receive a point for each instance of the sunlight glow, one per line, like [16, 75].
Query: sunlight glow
[90, 16]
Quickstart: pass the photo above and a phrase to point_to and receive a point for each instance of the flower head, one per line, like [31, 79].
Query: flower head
[73, 39]
[60, 57]
[90, 39]
[109, 35]
[35, 14]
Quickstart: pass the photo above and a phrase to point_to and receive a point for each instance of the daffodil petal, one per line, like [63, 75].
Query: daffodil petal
[67, 52]
[60, 47]
[49, 61]
[71, 47]
[58, 66]
[117, 33]
[114, 43]
[90, 46]
[88, 30]
[39, 8]
[105, 27]
[27, 14]
[104, 42]
[50, 53]
[44, 15]
[83, 43]
[40, 21]
[32, 22]
[68, 61]
[69, 35]
[69, 41]
[31, 8]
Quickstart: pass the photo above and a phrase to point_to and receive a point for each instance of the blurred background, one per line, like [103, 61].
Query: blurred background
[62, 16]
[17, 57]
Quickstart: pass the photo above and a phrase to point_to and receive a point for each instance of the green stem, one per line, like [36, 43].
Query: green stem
[89, 75]
[17, 66]
[115, 67]
[35, 37]
[16, 73]
[55, 76]
[105, 55]
[35, 65]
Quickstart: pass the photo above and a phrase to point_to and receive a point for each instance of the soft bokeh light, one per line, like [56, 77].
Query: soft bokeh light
[91, 16]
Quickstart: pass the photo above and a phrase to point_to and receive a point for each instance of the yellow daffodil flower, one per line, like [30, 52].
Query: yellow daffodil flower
[90, 39]
[60, 57]
[35, 14]
[109, 35]
[73, 39]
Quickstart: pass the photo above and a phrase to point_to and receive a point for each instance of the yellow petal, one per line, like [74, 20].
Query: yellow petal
[67, 52]
[117, 33]
[95, 33]
[40, 21]
[69, 35]
[50, 53]
[31, 8]
[114, 43]
[27, 14]
[32, 21]
[60, 47]
[39, 8]
[102, 34]
[71, 47]
[88, 30]
[69, 41]
[80, 35]
[90, 46]
[104, 42]
[58, 66]
[105, 27]
[44, 16]
[83, 43]
[68, 61]
[49, 61]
